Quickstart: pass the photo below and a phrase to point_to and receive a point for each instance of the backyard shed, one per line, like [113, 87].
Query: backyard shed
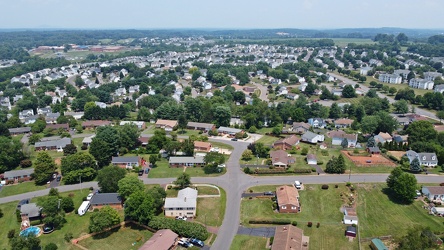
[350, 231]
[377, 244]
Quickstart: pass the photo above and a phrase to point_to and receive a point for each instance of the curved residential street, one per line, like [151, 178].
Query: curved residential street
[235, 182]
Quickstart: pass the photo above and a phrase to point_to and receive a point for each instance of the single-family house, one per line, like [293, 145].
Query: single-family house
[300, 127]
[280, 158]
[25, 113]
[184, 204]
[167, 125]
[94, 124]
[311, 137]
[57, 144]
[377, 244]
[317, 122]
[19, 131]
[43, 111]
[439, 88]
[163, 239]
[139, 124]
[128, 162]
[205, 127]
[425, 159]
[236, 121]
[229, 131]
[143, 140]
[433, 193]
[289, 237]
[202, 146]
[100, 104]
[350, 217]
[64, 126]
[186, 161]
[287, 142]
[292, 96]
[18, 175]
[31, 210]
[100, 200]
[287, 198]
[343, 123]
[87, 140]
[383, 137]
[76, 115]
[339, 135]
[311, 159]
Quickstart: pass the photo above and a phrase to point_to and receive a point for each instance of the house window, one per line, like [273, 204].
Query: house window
[284, 207]
[293, 207]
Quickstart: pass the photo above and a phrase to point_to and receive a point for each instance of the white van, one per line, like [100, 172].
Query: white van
[297, 184]
[83, 208]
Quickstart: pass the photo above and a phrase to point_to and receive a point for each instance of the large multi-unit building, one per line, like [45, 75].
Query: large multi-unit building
[390, 78]
[418, 83]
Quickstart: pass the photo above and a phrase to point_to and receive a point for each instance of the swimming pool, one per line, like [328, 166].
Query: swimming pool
[30, 231]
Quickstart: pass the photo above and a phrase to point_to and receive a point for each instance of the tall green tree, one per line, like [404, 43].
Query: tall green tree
[103, 219]
[182, 122]
[418, 238]
[371, 142]
[140, 207]
[128, 185]
[348, 91]
[335, 111]
[109, 177]
[415, 166]
[99, 149]
[44, 167]
[77, 161]
[128, 135]
[344, 143]
[11, 153]
[184, 180]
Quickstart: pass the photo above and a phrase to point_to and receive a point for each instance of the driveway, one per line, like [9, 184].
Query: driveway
[257, 231]
[264, 91]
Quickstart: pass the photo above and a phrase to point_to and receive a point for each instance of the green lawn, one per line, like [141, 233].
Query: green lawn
[379, 216]
[20, 188]
[211, 211]
[248, 242]
[317, 205]
[8, 222]
[221, 145]
[123, 237]
[164, 171]
[268, 140]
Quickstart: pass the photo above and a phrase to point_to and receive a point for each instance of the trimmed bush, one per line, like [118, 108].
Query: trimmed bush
[336, 186]
[318, 225]
[184, 228]
[309, 224]
[320, 163]
[294, 223]
[274, 222]
[325, 186]
[302, 171]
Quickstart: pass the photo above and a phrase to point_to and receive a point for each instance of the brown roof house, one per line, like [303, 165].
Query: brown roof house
[343, 123]
[202, 146]
[289, 237]
[163, 239]
[286, 143]
[280, 158]
[300, 127]
[288, 199]
[201, 126]
[168, 125]
[94, 124]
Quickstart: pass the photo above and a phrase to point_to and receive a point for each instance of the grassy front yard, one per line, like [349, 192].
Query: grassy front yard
[248, 242]
[211, 211]
[164, 171]
[124, 237]
[379, 216]
[317, 205]
[24, 187]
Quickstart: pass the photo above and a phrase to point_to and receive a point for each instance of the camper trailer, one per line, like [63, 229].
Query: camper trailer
[83, 208]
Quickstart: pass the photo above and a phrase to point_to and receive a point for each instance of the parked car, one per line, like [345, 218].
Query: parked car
[181, 218]
[147, 170]
[196, 242]
[269, 193]
[22, 202]
[297, 184]
[418, 194]
[183, 242]
[140, 172]
[234, 139]
[59, 177]
[89, 197]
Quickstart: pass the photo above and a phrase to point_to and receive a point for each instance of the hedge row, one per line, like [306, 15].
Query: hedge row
[302, 171]
[270, 171]
[275, 221]
[182, 228]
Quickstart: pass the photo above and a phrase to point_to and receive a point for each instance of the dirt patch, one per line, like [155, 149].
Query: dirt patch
[58, 161]
[397, 154]
[368, 161]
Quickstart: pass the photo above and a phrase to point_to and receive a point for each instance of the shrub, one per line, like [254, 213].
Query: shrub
[71, 195]
[251, 190]
[84, 147]
[184, 228]
[68, 237]
[324, 152]
[272, 221]
[271, 240]
[304, 151]
[11, 233]
[275, 206]
[140, 237]
[250, 198]
[302, 171]
[51, 246]
[25, 163]
[309, 224]
[18, 216]
[336, 186]
[325, 186]
[318, 225]
[247, 170]
[91, 189]
[320, 163]
[294, 223]
[348, 184]
[441, 184]
[313, 170]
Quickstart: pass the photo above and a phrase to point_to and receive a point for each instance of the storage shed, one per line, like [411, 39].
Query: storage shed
[350, 231]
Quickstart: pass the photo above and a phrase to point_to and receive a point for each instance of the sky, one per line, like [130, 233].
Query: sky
[222, 14]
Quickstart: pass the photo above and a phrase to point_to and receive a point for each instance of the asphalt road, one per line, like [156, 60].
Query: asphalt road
[418, 111]
[235, 182]
[264, 91]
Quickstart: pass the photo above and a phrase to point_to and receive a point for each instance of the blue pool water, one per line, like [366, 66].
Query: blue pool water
[30, 231]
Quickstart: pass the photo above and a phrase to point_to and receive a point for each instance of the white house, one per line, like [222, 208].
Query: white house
[339, 136]
[425, 159]
[390, 78]
[439, 88]
[183, 205]
[433, 192]
[311, 137]
[421, 83]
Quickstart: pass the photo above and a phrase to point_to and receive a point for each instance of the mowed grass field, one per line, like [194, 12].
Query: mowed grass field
[379, 216]
[317, 205]
[241, 242]
[20, 188]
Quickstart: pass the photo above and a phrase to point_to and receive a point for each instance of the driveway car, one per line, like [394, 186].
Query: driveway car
[196, 242]
[89, 197]
[234, 139]
[269, 193]
[183, 242]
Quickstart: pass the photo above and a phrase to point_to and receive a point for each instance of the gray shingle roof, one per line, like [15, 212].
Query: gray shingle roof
[186, 159]
[106, 198]
[20, 130]
[54, 143]
[17, 173]
[31, 209]
[125, 159]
